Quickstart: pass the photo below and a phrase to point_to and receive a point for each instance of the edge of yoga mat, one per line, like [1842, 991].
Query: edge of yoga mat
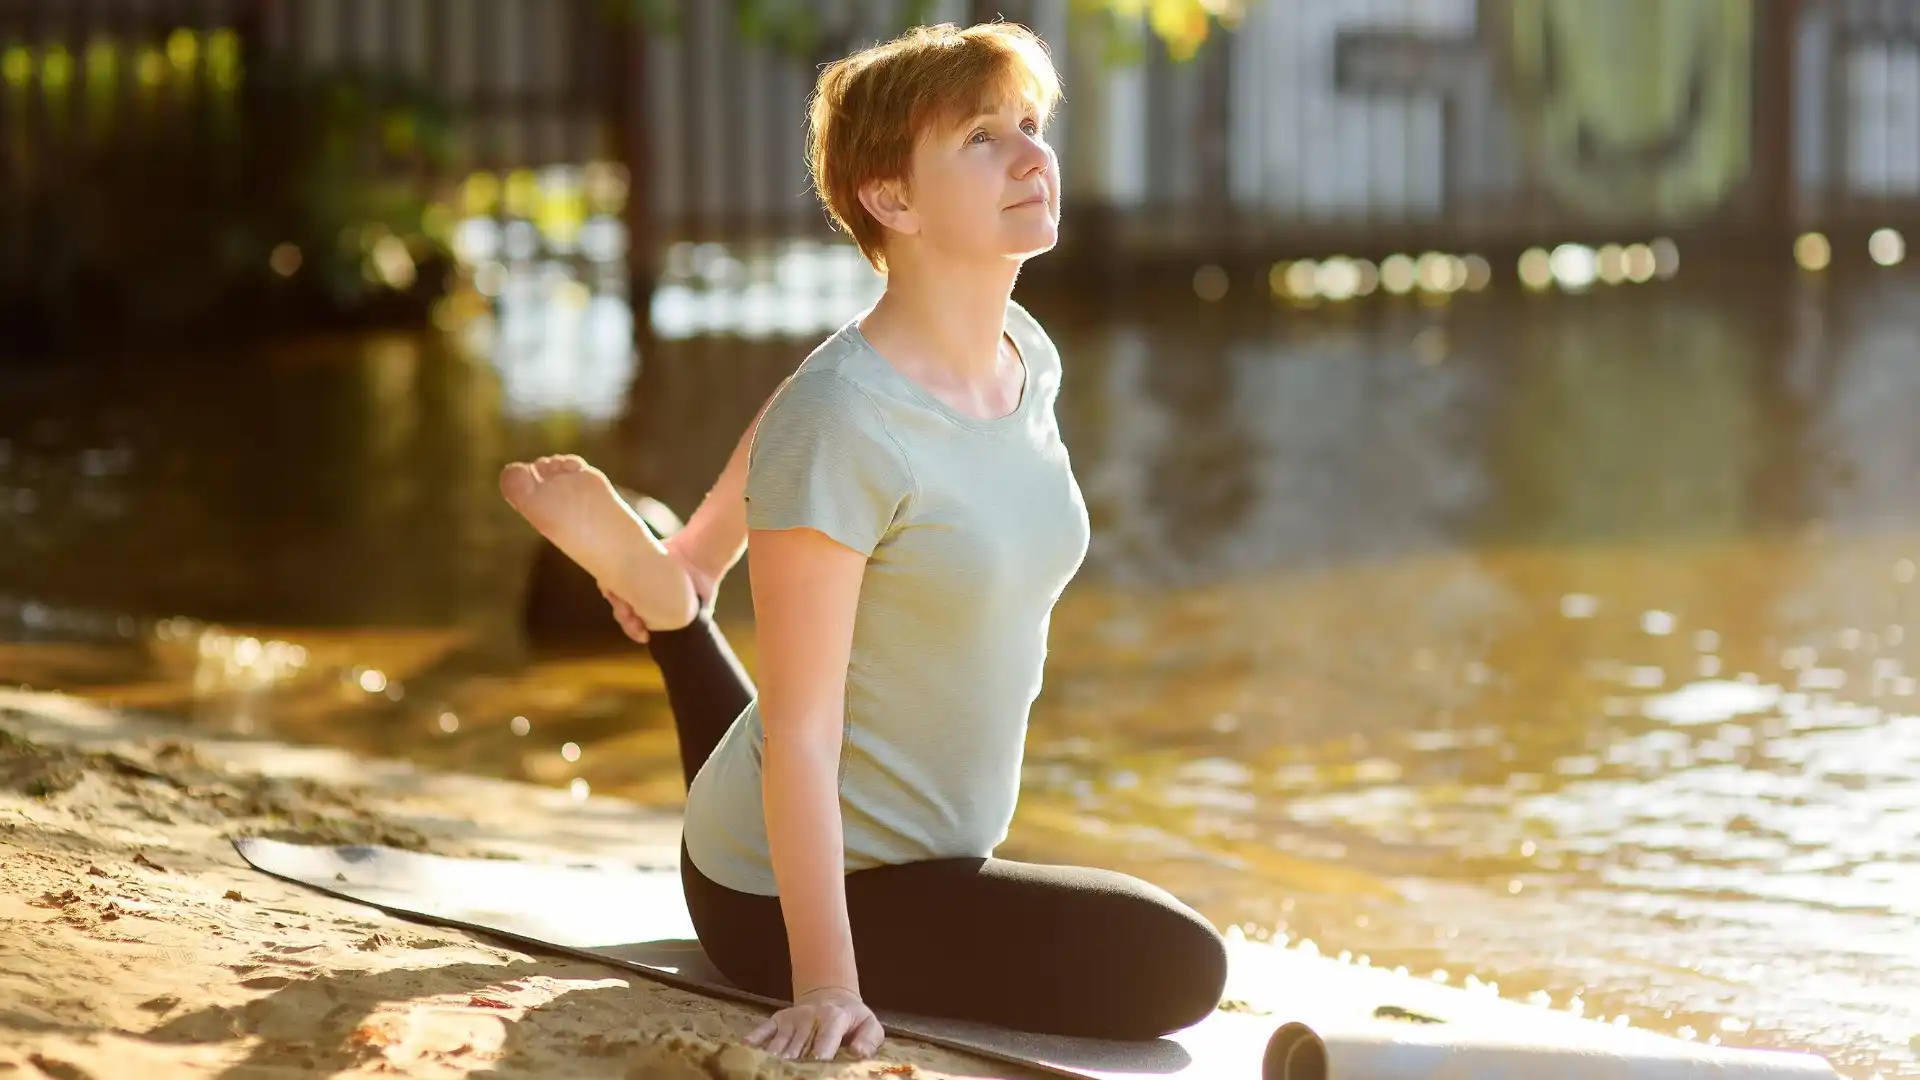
[272, 857]
[1329, 1023]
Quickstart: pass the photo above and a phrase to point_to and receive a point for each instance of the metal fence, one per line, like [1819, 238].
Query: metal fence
[1315, 124]
[529, 80]
[1329, 123]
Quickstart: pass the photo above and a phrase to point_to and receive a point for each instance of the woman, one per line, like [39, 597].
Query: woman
[913, 518]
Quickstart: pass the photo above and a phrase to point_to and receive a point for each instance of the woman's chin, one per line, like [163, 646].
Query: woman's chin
[1026, 243]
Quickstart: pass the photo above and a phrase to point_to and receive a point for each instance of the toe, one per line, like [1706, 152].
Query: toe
[517, 481]
[569, 463]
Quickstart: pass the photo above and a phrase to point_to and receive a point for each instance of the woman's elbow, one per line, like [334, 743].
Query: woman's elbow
[801, 752]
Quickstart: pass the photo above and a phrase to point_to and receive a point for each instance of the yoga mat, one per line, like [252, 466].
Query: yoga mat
[1321, 1019]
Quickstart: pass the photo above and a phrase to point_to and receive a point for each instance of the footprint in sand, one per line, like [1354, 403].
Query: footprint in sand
[268, 982]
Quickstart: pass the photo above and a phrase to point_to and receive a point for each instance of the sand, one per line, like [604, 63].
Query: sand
[134, 942]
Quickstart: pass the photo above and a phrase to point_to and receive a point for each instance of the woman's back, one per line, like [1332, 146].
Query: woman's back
[972, 527]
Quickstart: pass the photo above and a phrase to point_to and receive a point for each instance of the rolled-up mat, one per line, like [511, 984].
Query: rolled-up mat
[1316, 1018]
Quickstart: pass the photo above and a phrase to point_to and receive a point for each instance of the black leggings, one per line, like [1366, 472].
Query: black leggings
[1065, 950]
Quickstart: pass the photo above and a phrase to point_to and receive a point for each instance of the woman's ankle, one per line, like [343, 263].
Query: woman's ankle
[701, 621]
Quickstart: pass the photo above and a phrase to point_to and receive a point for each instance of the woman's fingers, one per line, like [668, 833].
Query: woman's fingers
[773, 1035]
[832, 1028]
[800, 1032]
[867, 1037]
[629, 620]
[818, 1031]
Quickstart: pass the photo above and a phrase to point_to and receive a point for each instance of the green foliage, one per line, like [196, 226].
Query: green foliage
[165, 219]
[1182, 26]
[796, 27]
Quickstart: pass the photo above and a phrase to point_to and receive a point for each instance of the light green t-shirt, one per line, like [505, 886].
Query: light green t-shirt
[971, 529]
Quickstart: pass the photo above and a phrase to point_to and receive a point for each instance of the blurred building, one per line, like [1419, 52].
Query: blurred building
[1312, 127]
[1519, 120]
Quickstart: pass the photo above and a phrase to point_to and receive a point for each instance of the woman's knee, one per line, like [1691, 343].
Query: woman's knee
[1193, 973]
[1177, 966]
[1177, 957]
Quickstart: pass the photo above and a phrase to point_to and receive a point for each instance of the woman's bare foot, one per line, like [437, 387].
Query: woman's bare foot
[574, 505]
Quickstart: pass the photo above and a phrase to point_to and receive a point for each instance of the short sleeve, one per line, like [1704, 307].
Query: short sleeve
[1036, 346]
[822, 459]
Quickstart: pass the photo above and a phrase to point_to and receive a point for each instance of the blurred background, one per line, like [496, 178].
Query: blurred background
[1497, 418]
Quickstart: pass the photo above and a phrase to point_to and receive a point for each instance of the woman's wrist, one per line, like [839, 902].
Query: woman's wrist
[705, 553]
[854, 990]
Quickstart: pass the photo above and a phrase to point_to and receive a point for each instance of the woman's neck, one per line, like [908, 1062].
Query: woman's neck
[943, 327]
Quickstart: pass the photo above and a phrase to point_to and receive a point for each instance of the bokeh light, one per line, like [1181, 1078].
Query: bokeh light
[1299, 279]
[437, 221]
[1398, 274]
[393, 264]
[1210, 283]
[490, 278]
[151, 68]
[1610, 264]
[480, 193]
[1338, 279]
[606, 186]
[56, 69]
[521, 192]
[101, 64]
[1536, 269]
[1812, 251]
[1479, 272]
[223, 59]
[1666, 258]
[1887, 247]
[1639, 263]
[1369, 279]
[16, 66]
[285, 260]
[183, 49]
[1573, 266]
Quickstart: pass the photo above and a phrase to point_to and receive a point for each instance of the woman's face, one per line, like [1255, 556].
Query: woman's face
[986, 189]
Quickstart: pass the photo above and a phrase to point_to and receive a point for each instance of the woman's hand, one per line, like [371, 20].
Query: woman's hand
[705, 583]
[630, 622]
[817, 1023]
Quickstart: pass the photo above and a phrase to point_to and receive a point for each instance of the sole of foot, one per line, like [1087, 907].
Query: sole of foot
[575, 506]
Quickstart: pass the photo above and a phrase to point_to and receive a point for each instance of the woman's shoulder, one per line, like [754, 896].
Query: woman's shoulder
[829, 378]
[1027, 333]
[827, 398]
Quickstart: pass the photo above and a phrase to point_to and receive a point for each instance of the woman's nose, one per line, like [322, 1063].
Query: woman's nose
[1032, 157]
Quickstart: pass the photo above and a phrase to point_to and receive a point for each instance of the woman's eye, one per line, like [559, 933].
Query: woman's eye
[1031, 127]
[977, 136]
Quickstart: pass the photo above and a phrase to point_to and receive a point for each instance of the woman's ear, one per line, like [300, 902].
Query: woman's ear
[887, 201]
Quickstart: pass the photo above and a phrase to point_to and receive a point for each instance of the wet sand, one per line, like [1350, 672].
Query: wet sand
[135, 942]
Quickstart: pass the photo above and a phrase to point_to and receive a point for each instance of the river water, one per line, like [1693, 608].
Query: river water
[1562, 643]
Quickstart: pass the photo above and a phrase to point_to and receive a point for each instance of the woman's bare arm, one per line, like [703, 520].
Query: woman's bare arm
[805, 591]
[716, 535]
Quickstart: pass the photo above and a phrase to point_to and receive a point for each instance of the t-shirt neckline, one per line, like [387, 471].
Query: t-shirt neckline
[927, 398]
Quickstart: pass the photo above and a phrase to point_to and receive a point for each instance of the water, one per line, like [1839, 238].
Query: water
[1567, 644]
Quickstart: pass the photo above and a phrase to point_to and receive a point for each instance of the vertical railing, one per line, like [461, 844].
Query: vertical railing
[1856, 114]
[1321, 123]
[148, 92]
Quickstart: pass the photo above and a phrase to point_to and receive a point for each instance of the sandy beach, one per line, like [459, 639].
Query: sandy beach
[134, 942]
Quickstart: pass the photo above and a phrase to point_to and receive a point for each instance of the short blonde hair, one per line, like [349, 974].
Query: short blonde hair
[869, 110]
